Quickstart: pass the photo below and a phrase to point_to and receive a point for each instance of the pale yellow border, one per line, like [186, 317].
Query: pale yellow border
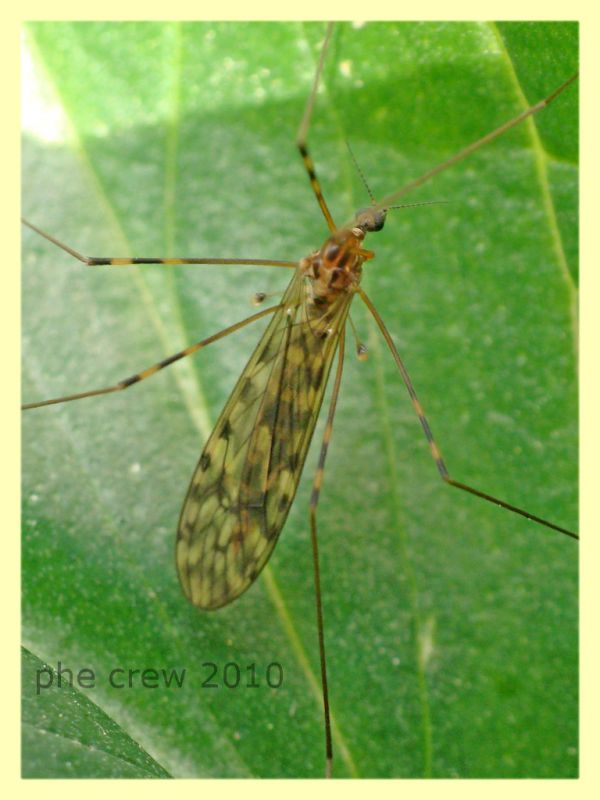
[590, 406]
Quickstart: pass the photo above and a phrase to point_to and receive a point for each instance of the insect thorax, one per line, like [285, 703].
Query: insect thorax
[336, 268]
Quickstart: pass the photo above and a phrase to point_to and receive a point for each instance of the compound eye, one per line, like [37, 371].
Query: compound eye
[371, 220]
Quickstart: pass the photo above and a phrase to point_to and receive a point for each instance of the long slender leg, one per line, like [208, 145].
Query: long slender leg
[435, 451]
[466, 151]
[314, 499]
[94, 261]
[303, 132]
[147, 373]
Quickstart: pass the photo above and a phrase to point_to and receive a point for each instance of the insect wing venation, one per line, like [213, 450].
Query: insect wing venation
[246, 479]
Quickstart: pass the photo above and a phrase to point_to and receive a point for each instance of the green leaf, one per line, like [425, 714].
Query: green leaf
[66, 736]
[450, 623]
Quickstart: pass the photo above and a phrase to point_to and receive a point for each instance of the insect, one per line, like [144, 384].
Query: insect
[426, 585]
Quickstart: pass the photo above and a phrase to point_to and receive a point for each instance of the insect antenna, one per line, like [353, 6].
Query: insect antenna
[372, 196]
[361, 173]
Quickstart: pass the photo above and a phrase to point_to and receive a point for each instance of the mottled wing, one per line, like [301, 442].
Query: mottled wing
[248, 473]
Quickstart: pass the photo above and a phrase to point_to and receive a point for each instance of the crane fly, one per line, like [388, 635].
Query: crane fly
[305, 334]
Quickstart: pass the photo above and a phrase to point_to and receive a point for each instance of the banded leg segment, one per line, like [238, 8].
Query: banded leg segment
[314, 500]
[309, 165]
[149, 371]
[435, 451]
[94, 261]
